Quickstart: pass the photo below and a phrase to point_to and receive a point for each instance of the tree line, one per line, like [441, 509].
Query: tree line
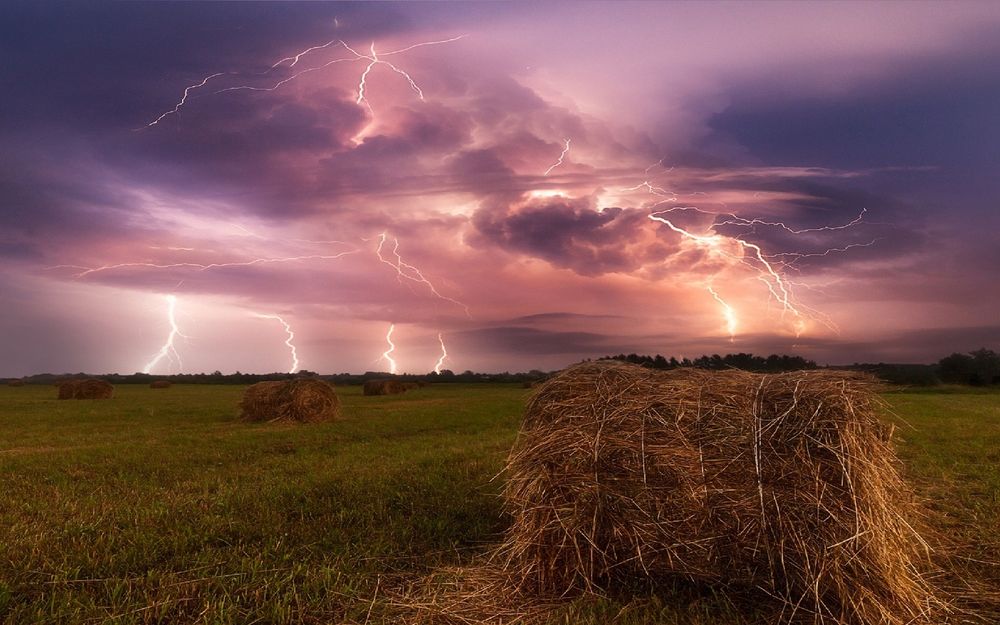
[979, 368]
[747, 362]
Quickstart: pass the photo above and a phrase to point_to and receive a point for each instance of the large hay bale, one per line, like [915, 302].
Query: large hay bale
[91, 388]
[304, 400]
[784, 483]
[160, 384]
[384, 387]
[15, 382]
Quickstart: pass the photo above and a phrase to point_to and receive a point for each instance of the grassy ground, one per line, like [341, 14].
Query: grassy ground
[158, 507]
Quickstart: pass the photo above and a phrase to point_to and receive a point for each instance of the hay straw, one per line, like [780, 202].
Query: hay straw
[160, 384]
[384, 387]
[91, 388]
[781, 487]
[303, 400]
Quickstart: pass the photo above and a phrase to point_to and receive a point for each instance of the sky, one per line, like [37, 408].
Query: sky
[205, 186]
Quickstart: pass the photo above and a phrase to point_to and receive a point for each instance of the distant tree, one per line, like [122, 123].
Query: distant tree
[979, 368]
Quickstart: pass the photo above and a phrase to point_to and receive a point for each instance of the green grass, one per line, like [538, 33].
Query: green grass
[159, 507]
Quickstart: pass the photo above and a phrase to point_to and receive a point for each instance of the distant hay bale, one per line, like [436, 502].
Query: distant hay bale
[91, 388]
[410, 386]
[384, 387]
[785, 484]
[303, 400]
[160, 384]
[15, 382]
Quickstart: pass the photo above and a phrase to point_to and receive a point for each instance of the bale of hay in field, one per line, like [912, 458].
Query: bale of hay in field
[786, 484]
[66, 388]
[303, 400]
[410, 386]
[160, 384]
[90, 388]
[15, 382]
[384, 387]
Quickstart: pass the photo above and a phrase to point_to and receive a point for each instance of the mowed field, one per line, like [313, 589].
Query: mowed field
[158, 506]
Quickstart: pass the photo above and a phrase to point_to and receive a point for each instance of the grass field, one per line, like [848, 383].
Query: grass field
[159, 507]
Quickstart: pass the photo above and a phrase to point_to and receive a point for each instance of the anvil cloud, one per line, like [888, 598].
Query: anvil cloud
[437, 214]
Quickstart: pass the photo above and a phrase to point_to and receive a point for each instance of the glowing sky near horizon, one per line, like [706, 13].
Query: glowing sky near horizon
[495, 189]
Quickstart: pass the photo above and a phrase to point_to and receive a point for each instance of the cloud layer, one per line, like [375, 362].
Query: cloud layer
[829, 183]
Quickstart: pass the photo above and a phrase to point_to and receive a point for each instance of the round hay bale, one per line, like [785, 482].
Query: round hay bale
[65, 388]
[160, 384]
[303, 400]
[784, 483]
[91, 388]
[384, 387]
[15, 382]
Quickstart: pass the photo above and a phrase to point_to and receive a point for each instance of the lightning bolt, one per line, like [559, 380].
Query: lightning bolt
[285, 81]
[407, 271]
[669, 196]
[168, 349]
[372, 58]
[444, 354]
[770, 268]
[833, 250]
[201, 266]
[741, 221]
[392, 348]
[561, 157]
[727, 312]
[295, 58]
[187, 91]
[715, 244]
[288, 340]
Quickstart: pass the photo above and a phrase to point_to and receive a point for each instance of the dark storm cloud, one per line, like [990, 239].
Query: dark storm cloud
[928, 111]
[458, 176]
[57, 203]
[536, 342]
[560, 317]
[566, 232]
[886, 227]
[96, 67]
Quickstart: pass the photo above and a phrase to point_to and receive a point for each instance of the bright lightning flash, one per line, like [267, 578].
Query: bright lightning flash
[749, 252]
[444, 355]
[187, 92]
[392, 347]
[727, 312]
[559, 162]
[288, 341]
[372, 58]
[168, 350]
[406, 271]
[204, 266]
